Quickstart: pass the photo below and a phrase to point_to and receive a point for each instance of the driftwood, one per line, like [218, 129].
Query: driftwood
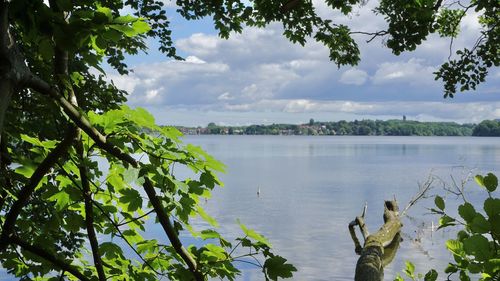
[380, 247]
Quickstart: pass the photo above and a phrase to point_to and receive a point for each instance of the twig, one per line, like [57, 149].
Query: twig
[423, 189]
[373, 34]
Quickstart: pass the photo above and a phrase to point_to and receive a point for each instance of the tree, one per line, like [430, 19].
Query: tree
[487, 128]
[57, 118]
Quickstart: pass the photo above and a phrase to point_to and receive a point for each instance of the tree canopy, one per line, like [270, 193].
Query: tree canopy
[62, 123]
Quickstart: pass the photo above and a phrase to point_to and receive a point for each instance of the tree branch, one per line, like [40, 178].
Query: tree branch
[36, 83]
[108, 217]
[25, 193]
[169, 229]
[89, 214]
[61, 264]
[80, 120]
[6, 85]
[372, 34]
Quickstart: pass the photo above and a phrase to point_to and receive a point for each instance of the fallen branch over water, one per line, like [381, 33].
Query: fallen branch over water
[380, 247]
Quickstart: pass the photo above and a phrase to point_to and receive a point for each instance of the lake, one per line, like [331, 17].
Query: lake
[312, 187]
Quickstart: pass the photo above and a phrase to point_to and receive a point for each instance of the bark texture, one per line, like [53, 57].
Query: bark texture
[380, 247]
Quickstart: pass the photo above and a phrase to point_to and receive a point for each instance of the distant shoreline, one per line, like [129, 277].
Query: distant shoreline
[486, 128]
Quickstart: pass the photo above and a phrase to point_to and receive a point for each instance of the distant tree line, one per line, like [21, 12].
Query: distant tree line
[487, 128]
[357, 128]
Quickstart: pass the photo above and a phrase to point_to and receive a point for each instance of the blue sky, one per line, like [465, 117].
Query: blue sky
[258, 77]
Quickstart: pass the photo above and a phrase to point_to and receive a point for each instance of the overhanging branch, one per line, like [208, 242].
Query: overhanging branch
[61, 264]
[26, 192]
[81, 121]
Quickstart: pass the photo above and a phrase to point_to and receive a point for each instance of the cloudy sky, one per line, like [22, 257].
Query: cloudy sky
[258, 77]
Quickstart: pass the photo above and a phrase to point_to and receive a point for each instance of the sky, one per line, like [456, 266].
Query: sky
[258, 77]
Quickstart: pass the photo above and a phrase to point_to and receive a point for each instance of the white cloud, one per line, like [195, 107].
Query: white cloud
[300, 110]
[261, 71]
[353, 76]
[414, 71]
[125, 82]
[199, 44]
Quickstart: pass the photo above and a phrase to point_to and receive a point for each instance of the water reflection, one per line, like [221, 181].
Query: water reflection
[311, 187]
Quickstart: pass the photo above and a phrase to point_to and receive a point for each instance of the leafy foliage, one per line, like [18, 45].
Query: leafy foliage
[75, 164]
[487, 128]
[476, 250]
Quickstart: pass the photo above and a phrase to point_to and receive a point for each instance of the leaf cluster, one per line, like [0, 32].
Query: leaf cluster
[476, 250]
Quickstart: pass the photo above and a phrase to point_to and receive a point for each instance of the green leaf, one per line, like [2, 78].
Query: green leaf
[74, 222]
[432, 275]
[106, 11]
[490, 182]
[478, 246]
[409, 270]
[110, 250]
[77, 79]
[209, 234]
[140, 116]
[138, 27]
[62, 199]
[276, 267]
[479, 180]
[147, 246]
[399, 278]
[124, 19]
[125, 29]
[495, 226]
[25, 170]
[130, 175]
[492, 207]
[206, 216]
[131, 198]
[464, 276]
[214, 253]
[31, 140]
[493, 265]
[132, 236]
[141, 26]
[454, 246]
[451, 268]
[467, 212]
[254, 235]
[445, 221]
[480, 224]
[438, 200]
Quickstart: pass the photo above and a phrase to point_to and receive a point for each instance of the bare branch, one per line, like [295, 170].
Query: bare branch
[422, 192]
[372, 34]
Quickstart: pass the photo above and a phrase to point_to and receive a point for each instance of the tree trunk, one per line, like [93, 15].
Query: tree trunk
[6, 90]
[380, 247]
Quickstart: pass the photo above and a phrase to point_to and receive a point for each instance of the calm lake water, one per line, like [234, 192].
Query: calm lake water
[312, 187]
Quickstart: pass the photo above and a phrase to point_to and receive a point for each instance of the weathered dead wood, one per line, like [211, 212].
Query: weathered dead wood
[380, 247]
